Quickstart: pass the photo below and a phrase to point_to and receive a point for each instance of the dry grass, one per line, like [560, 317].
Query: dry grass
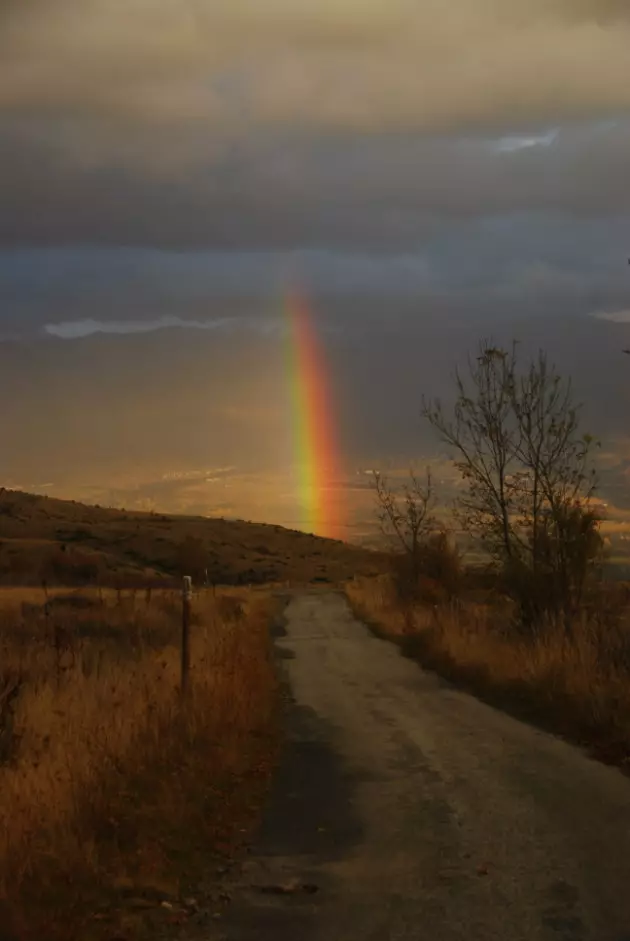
[105, 772]
[578, 687]
[68, 543]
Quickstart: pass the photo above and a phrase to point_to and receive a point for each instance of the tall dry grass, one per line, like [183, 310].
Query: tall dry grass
[102, 762]
[578, 686]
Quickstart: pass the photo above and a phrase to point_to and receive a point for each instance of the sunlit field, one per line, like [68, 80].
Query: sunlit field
[578, 685]
[105, 769]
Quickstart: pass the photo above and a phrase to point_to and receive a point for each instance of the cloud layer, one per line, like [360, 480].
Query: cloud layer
[337, 63]
[427, 172]
[325, 123]
[387, 192]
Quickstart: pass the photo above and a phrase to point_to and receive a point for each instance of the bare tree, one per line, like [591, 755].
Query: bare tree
[484, 436]
[406, 519]
[555, 484]
[528, 475]
[427, 564]
[405, 514]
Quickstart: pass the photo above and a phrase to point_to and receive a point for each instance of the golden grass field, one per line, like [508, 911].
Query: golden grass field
[65, 542]
[577, 687]
[113, 787]
[110, 782]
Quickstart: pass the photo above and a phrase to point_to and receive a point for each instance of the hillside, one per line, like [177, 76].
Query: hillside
[66, 542]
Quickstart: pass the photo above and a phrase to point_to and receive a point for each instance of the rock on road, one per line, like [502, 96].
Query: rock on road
[417, 812]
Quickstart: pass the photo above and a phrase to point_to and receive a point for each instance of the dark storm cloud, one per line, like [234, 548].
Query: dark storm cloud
[384, 191]
[501, 266]
[429, 172]
[248, 125]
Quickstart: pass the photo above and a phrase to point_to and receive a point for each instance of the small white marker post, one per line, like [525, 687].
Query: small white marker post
[186, 607]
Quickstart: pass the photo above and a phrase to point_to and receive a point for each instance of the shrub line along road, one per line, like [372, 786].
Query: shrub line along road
[418, 812]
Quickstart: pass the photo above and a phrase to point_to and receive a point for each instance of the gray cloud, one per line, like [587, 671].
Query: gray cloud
[360, 123]
[504, 266]
[274, 192]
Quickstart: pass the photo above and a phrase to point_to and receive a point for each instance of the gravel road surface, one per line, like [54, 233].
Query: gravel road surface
[408, 810]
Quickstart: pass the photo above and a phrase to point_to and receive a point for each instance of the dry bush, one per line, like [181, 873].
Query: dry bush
[102, 747]
[377, 602]
[577, 685]
[441, 562]
[433, 574]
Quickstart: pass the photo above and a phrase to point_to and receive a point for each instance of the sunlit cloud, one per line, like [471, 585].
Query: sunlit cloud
[78, 329]
[617, 316]
[338, 63]
[517, 142]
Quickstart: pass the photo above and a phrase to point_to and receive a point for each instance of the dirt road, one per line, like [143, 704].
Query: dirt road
[408, 810]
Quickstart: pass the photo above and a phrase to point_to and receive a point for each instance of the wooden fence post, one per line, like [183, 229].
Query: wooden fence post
[186, 606]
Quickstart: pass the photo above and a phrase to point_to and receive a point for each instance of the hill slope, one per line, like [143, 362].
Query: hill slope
[67, 542]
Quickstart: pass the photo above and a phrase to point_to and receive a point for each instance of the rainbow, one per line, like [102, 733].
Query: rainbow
[316, 454]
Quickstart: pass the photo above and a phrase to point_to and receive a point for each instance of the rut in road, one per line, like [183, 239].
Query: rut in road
[420, 813]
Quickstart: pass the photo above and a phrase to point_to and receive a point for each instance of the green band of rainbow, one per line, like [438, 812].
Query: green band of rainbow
[316, 451]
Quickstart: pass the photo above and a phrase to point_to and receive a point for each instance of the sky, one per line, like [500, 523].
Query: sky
[424, 171]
